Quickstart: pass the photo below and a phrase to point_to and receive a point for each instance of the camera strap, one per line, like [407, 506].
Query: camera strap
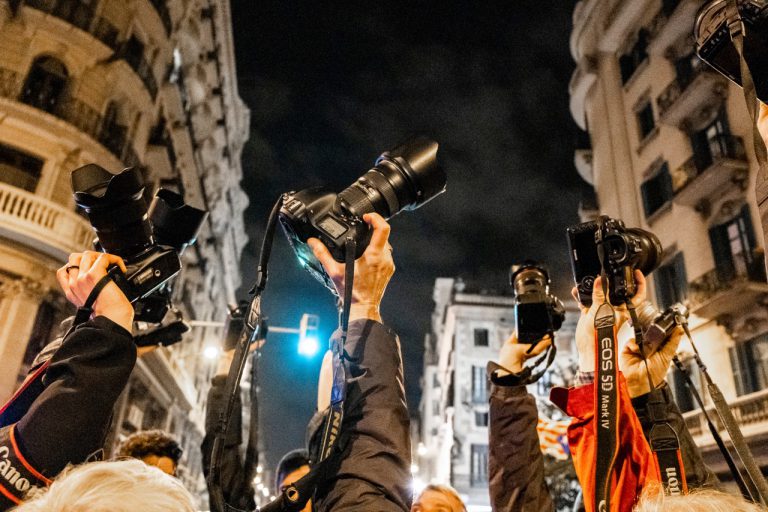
[606, 408]
[755, 482]
[735, 472]
[85, 311]
[662, 437]
[737, 30]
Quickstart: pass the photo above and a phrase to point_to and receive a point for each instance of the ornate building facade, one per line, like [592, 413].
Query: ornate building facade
[147, 83]
[670, 151]
[468, 329]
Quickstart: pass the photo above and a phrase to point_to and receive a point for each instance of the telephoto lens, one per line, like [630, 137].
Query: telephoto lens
[403, 178]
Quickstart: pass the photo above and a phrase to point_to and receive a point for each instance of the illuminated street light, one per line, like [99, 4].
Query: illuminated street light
[211, 352]
[422, 449]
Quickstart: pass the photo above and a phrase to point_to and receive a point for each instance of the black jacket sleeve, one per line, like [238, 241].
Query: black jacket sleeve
[515, 463]
[237, 491]
[697, 473]
[372, 471]
[68, 422]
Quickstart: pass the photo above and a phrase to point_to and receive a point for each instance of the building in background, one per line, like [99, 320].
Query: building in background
[671, 152]
[468, 329]
[148, 83]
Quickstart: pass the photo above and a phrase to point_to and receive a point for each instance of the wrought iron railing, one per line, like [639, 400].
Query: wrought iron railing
[79, 115]
[722, 146]
[81, 15]
[748, 410]
[677, 87]
[716, 281]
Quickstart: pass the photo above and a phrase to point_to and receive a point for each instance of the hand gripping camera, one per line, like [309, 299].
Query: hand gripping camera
[150, 240]
[657, 326]
[624, 250]
[404, 178]
[537, 312]
[714, 46]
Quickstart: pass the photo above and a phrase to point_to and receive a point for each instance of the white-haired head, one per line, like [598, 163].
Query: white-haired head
[117, 486]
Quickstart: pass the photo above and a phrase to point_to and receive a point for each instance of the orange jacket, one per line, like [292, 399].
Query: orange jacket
[635, 465]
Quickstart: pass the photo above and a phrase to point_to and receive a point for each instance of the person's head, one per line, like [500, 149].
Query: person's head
[153, 447]
[700, 500]
[115, 486]
[438, 498]
[291, 468]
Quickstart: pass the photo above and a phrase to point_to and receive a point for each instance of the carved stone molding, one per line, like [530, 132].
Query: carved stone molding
[12, 287]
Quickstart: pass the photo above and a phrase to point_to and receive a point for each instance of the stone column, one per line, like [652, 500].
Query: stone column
[19, 302]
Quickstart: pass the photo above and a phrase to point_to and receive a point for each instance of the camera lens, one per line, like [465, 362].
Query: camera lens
[529, 280]
[650, 251]
[115, 207]
[403, 179]
[175, 223]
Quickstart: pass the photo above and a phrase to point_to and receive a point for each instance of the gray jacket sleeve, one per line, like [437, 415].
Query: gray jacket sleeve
[515, 465]
[371, 470]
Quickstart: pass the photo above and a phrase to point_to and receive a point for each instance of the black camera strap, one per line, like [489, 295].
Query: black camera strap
[606, 410]
[755, 482]
[662, 437]
[737, 29]
[737, 476]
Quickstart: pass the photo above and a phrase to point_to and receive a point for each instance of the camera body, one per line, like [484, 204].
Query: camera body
[657, 326]
[715, 47]
[404, 178]
[537, 312]
[624, 250]
[149, 239]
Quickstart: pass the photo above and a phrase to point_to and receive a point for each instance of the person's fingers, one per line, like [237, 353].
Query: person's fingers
[575, 295]
[539, 348]
[598, 297]
[670, 347]
[641, 287]
[87, 261]
[63, 278]
[102, 263]
[324, 256]
[380, 230]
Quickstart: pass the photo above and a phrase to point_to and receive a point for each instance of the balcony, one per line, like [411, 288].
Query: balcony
[622, 19]
[713, 295]
[704, 176]
[674, 21]
[44, 226]
[76, 113]
[141, 67]
[81, 15]
[750, 411]
[584, 77]
[683, 99]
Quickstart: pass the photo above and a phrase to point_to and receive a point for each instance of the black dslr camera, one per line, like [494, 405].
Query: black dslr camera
[402, 179]
[624, 250]
[537, 312]
[656, 325]
[149, 240]
[714, 46]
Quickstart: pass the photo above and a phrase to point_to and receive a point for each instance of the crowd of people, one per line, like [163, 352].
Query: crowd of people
[52, 451]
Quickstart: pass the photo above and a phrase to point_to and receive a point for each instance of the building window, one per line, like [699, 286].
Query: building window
[479, 465]
[732, 246]
[671, 282]
[480, 385]
[481, 337]
[630, 61]
[657, 190]
[45, 85]
[645, 121]
[749, 361]
[19, 169]
[481, 419]
[714, 141]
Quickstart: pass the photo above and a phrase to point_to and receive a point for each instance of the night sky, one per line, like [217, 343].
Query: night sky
[330, 87]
